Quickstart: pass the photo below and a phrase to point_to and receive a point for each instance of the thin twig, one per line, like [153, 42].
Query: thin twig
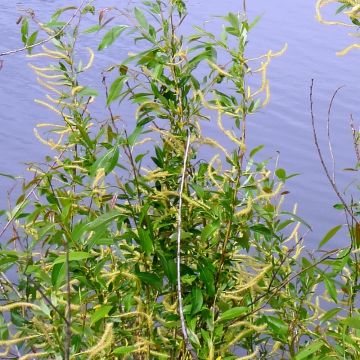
[322, 161]
[328, 131]
[356, 139]
[68, 302]
[37, 183]
[50, 303]
[28, 47]
[188, 344]
[274, 291]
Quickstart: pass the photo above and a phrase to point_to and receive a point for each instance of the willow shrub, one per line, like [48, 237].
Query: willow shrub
[142, 238]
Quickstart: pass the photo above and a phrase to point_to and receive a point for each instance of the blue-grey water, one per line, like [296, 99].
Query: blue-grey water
[283, 126]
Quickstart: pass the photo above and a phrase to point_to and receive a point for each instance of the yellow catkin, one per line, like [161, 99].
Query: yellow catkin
[277, 345]
[58, 54]
[246, 210]
[212, 142]
[267, 94]
[76, 89]
[254, 281]
[46, 76]
[153, 175]
[73, 106]
[34, 355]
[269, 195]
[219, 69]
[347, 49]
[250, 356]
[103, 343]
[91, 60]
[52, 125]
[100, 174]
[136, 313]
[5, 352]
[17, 340]
[49, 143]
[143, 141]
[43, 55]
[248, 325]
[165, 193]
[159, 354]
[229, 133]
[41, 69]
[322, 3]
[151, 104]
[48, 86]
[240, 336]
[11, 306]
[293, 233]
[48, 106]
[211, 173]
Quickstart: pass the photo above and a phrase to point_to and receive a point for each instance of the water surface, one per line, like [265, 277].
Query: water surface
[284, 126]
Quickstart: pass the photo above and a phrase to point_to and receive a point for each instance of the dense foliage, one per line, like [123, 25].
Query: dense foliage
[140, 237]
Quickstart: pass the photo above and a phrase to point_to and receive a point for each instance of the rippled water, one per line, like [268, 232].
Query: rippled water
[284, 126]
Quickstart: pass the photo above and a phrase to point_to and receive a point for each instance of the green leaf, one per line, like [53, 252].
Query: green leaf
[297, 218]
[88, 92]
[331, 233]
[92, 29]
[309, 350]
[100, 313]
[169, 267]
[31, 40]
[121, 350]
[17, 210]
[115, 89]
[73, 256]
[58, 275]
[111, 36]
[197, 300]
[261, 229]
[150, 279]
[145, 240]
[103, 220]
[209, 230]
[278, 325]
[281, 174]
[107, 162]
[330, 288]
[140, 17]
[353, 322]
[339, 207]
[208, 278]
[24, 30]
[330, 314]
[255, 150]
[134, 135]
[8, 176]
[233, 313]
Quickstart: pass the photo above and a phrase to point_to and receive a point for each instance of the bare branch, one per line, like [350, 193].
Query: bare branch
[322, 161]
[356, 139]
[28, 47]
[328, 132]
[184, 330]
[37, 183]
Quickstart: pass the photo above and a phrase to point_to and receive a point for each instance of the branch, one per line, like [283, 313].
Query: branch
[356, 139]
[328, 132]
[322, 161]
[184, 330]
[28, 47]
[37, 183]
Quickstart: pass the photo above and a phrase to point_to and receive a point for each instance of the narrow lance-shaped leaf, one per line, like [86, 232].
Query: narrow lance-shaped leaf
[111, 36]
[330, 234]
